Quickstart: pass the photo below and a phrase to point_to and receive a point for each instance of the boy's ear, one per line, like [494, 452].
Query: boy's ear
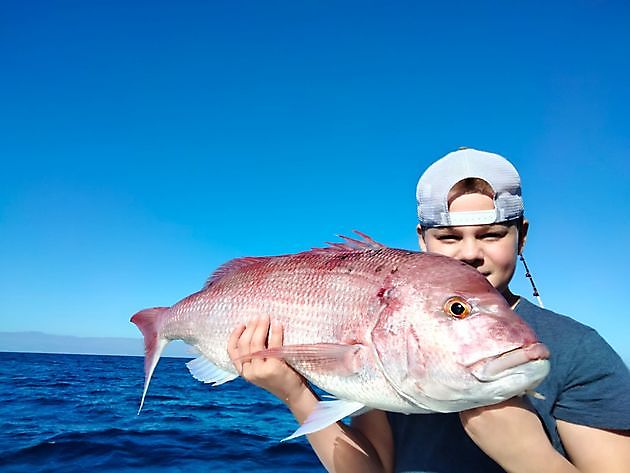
[522, 236]
[421, 242]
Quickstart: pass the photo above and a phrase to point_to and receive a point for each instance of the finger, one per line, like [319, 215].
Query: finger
[232, 348]
[277, 335]
[259, 342]
[244, 344]
[233, 341]
[259, 337]
[245, 348]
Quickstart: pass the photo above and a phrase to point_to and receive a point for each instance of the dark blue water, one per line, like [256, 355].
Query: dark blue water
[67, 413]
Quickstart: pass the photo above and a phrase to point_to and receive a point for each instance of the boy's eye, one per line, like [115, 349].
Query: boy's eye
[492, 235]
[447, 237]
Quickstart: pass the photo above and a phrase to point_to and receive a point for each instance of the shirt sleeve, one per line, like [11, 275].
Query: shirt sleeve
[597, 386]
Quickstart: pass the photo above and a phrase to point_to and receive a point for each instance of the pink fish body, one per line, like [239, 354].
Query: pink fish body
[376, 327]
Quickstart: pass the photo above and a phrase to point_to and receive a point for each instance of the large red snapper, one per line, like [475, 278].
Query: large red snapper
[376, 327]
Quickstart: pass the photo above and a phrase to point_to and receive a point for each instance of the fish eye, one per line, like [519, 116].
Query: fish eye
[457, 307]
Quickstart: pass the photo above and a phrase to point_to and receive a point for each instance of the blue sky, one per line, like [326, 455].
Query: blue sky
[142, 144]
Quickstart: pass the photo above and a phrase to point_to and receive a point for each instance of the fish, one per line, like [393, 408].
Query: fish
[375, 327]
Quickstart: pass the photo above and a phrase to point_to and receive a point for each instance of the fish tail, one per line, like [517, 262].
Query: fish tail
[149, 321]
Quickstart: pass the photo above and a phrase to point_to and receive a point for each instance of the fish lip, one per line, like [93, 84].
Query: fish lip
[495, 367]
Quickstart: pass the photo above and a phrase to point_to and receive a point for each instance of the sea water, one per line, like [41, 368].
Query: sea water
[67, 413]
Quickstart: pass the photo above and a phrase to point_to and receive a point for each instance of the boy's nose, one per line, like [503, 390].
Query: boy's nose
[471, 253]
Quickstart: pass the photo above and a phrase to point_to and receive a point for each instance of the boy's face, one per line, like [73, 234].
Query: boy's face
[491, 249]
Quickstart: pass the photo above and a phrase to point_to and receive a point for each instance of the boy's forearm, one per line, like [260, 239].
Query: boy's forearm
[339, 448]
[546, 459]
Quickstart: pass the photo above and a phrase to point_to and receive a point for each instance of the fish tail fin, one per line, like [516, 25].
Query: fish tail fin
[149, 321]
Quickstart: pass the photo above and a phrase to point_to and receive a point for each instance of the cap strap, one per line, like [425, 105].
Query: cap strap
[476, 217]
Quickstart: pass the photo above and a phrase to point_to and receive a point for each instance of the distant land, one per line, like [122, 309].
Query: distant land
[38, 342]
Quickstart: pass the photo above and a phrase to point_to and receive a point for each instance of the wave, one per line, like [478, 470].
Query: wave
[152, 448]
[69, 416]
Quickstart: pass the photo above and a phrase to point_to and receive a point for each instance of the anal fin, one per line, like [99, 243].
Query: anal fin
[326, 413]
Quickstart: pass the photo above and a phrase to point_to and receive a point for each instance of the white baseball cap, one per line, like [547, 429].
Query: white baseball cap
[439, 178]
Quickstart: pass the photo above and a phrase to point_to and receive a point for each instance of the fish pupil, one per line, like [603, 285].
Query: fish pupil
[458, 309]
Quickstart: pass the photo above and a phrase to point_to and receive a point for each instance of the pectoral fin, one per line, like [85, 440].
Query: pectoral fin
[339, 358]
[207, 372]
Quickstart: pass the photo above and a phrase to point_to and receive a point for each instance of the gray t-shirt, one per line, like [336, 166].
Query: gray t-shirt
[588, 385]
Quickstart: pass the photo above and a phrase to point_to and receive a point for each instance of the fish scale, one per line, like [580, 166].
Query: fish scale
[364, 322]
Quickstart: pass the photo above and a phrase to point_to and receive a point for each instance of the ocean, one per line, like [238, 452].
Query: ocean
[67, 413]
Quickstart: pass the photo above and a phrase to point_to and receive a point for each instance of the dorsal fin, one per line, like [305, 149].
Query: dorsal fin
[366, 242]
[351, 244]
[233, 265]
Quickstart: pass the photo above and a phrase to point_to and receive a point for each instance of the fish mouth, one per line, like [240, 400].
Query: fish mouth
[499, 366]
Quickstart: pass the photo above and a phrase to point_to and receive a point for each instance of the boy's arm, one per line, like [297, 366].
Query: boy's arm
[365, 447]
[595, 450]
[513, 436]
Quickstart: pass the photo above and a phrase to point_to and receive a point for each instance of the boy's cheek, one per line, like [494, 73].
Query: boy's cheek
[428, 243]
[436, 246]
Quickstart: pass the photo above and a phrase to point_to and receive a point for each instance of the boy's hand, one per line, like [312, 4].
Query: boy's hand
[271, 374]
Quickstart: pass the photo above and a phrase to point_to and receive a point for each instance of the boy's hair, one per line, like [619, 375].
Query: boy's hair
[470, 185]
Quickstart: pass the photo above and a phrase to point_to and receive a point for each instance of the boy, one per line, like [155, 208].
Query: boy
[470, 208]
